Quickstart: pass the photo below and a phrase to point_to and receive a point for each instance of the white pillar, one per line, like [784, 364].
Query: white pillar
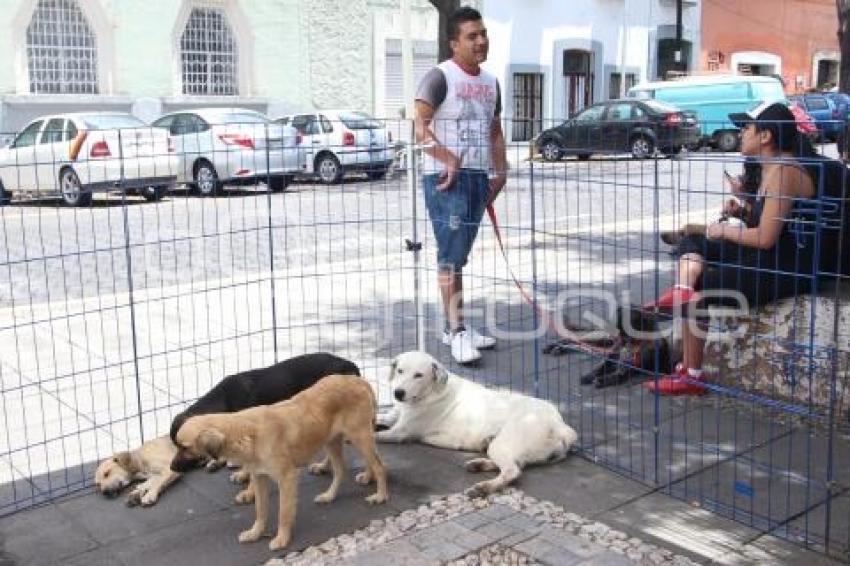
[406, 59]
[624, 38]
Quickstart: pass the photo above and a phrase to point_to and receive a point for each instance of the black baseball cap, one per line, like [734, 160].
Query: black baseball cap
[775, 117]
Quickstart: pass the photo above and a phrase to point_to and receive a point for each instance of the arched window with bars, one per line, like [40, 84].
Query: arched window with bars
[209, 54]
[61, 50]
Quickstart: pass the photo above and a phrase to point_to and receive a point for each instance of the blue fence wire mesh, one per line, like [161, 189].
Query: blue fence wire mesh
[117, 314]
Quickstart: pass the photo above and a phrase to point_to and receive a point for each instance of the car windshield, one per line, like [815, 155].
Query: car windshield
[112, 121]
[660, 107]
[359, 121]
[237, 118]
[768, 90]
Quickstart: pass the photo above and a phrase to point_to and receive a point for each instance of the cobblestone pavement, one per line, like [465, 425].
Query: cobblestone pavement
[508, 528]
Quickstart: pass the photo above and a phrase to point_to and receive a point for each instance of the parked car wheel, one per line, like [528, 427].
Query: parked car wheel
[4, 195]
[583, 156]
[206, 179]
[72, 192]
[377, 174]
[641, 147]
[727, 141]
[278, 183]
[328, 168]
[551, 151]
[153, 194]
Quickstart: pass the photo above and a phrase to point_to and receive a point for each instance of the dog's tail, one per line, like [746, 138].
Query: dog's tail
[374, 406]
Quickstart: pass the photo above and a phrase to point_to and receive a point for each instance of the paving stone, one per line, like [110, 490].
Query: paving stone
[497, 512]
[426, 538]
[474, 520]
[520, 536]
[607, 559]
[570, 542]
[396, 553]
[446, 551]
[560, 557]
[521, 521]
[450, 530]
[538, 547]
[496, 530]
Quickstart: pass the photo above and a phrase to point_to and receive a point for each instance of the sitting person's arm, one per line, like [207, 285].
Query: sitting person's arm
[778, 202]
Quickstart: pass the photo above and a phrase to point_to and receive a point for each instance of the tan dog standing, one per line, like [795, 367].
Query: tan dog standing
[276, 440]
[150, 462]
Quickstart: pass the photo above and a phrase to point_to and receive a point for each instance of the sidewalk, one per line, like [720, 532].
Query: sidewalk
[574, 512]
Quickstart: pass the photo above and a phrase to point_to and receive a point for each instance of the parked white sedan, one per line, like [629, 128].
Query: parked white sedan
[231, 145]
[74, 155]
[336, 141]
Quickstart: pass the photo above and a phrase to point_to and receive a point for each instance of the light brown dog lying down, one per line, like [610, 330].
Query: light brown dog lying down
[276, 440]
[150, 462]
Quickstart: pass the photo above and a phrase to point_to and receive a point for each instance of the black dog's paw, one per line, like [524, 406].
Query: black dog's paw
[556, 349]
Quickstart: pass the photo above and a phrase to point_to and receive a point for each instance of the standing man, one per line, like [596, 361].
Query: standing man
[457, 111]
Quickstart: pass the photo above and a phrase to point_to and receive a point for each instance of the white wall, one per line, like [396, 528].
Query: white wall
[621, 33]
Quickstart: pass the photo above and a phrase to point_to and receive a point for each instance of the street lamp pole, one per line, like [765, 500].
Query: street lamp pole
[679, 48]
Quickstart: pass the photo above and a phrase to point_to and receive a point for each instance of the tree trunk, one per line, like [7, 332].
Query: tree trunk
[843, 7]
[445, 9]
[844, 44]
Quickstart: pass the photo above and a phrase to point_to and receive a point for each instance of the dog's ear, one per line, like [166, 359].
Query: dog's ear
[211, 441]
[393, 365]
[441, 376]
[127, 461]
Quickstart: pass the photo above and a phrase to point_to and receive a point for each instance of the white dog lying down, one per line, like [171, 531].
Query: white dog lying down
[439, 408]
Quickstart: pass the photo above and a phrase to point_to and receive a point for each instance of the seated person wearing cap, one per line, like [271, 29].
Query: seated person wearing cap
[760, 260]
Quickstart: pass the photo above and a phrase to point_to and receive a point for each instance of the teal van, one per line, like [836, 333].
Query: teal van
[713, 98]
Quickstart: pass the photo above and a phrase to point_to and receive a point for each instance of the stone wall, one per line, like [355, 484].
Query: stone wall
[340, 55]
[787, 351]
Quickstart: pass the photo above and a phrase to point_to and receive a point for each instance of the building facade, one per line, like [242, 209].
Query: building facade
[794, 39]
[553, 61]
[276, 56]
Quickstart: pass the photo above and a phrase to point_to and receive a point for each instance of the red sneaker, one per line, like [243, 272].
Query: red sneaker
[674, 297]
[679, 383]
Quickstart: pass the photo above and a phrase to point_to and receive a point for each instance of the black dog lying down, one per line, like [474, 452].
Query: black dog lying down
[634, 349]
[265, 386]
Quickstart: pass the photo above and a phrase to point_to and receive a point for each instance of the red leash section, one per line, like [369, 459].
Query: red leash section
[547, 318]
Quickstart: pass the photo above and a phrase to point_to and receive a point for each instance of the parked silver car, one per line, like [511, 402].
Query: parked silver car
[231, 145]
[73, 155]
[336, 141]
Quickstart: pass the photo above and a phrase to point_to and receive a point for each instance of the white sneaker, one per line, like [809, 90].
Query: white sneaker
[479, 340]
[463, 350]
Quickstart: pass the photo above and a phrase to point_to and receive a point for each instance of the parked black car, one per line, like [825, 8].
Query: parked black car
[637, 127]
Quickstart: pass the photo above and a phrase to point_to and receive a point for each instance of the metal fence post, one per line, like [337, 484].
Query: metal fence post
[656, 188]
[271, 247]
[130, 288]
[535, 316]
[417, 247]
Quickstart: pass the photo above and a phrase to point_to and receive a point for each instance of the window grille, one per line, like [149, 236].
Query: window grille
[528, 106]
[208, 53]
[61, 50]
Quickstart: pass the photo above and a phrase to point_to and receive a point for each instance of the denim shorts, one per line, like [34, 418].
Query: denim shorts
[455, 214]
